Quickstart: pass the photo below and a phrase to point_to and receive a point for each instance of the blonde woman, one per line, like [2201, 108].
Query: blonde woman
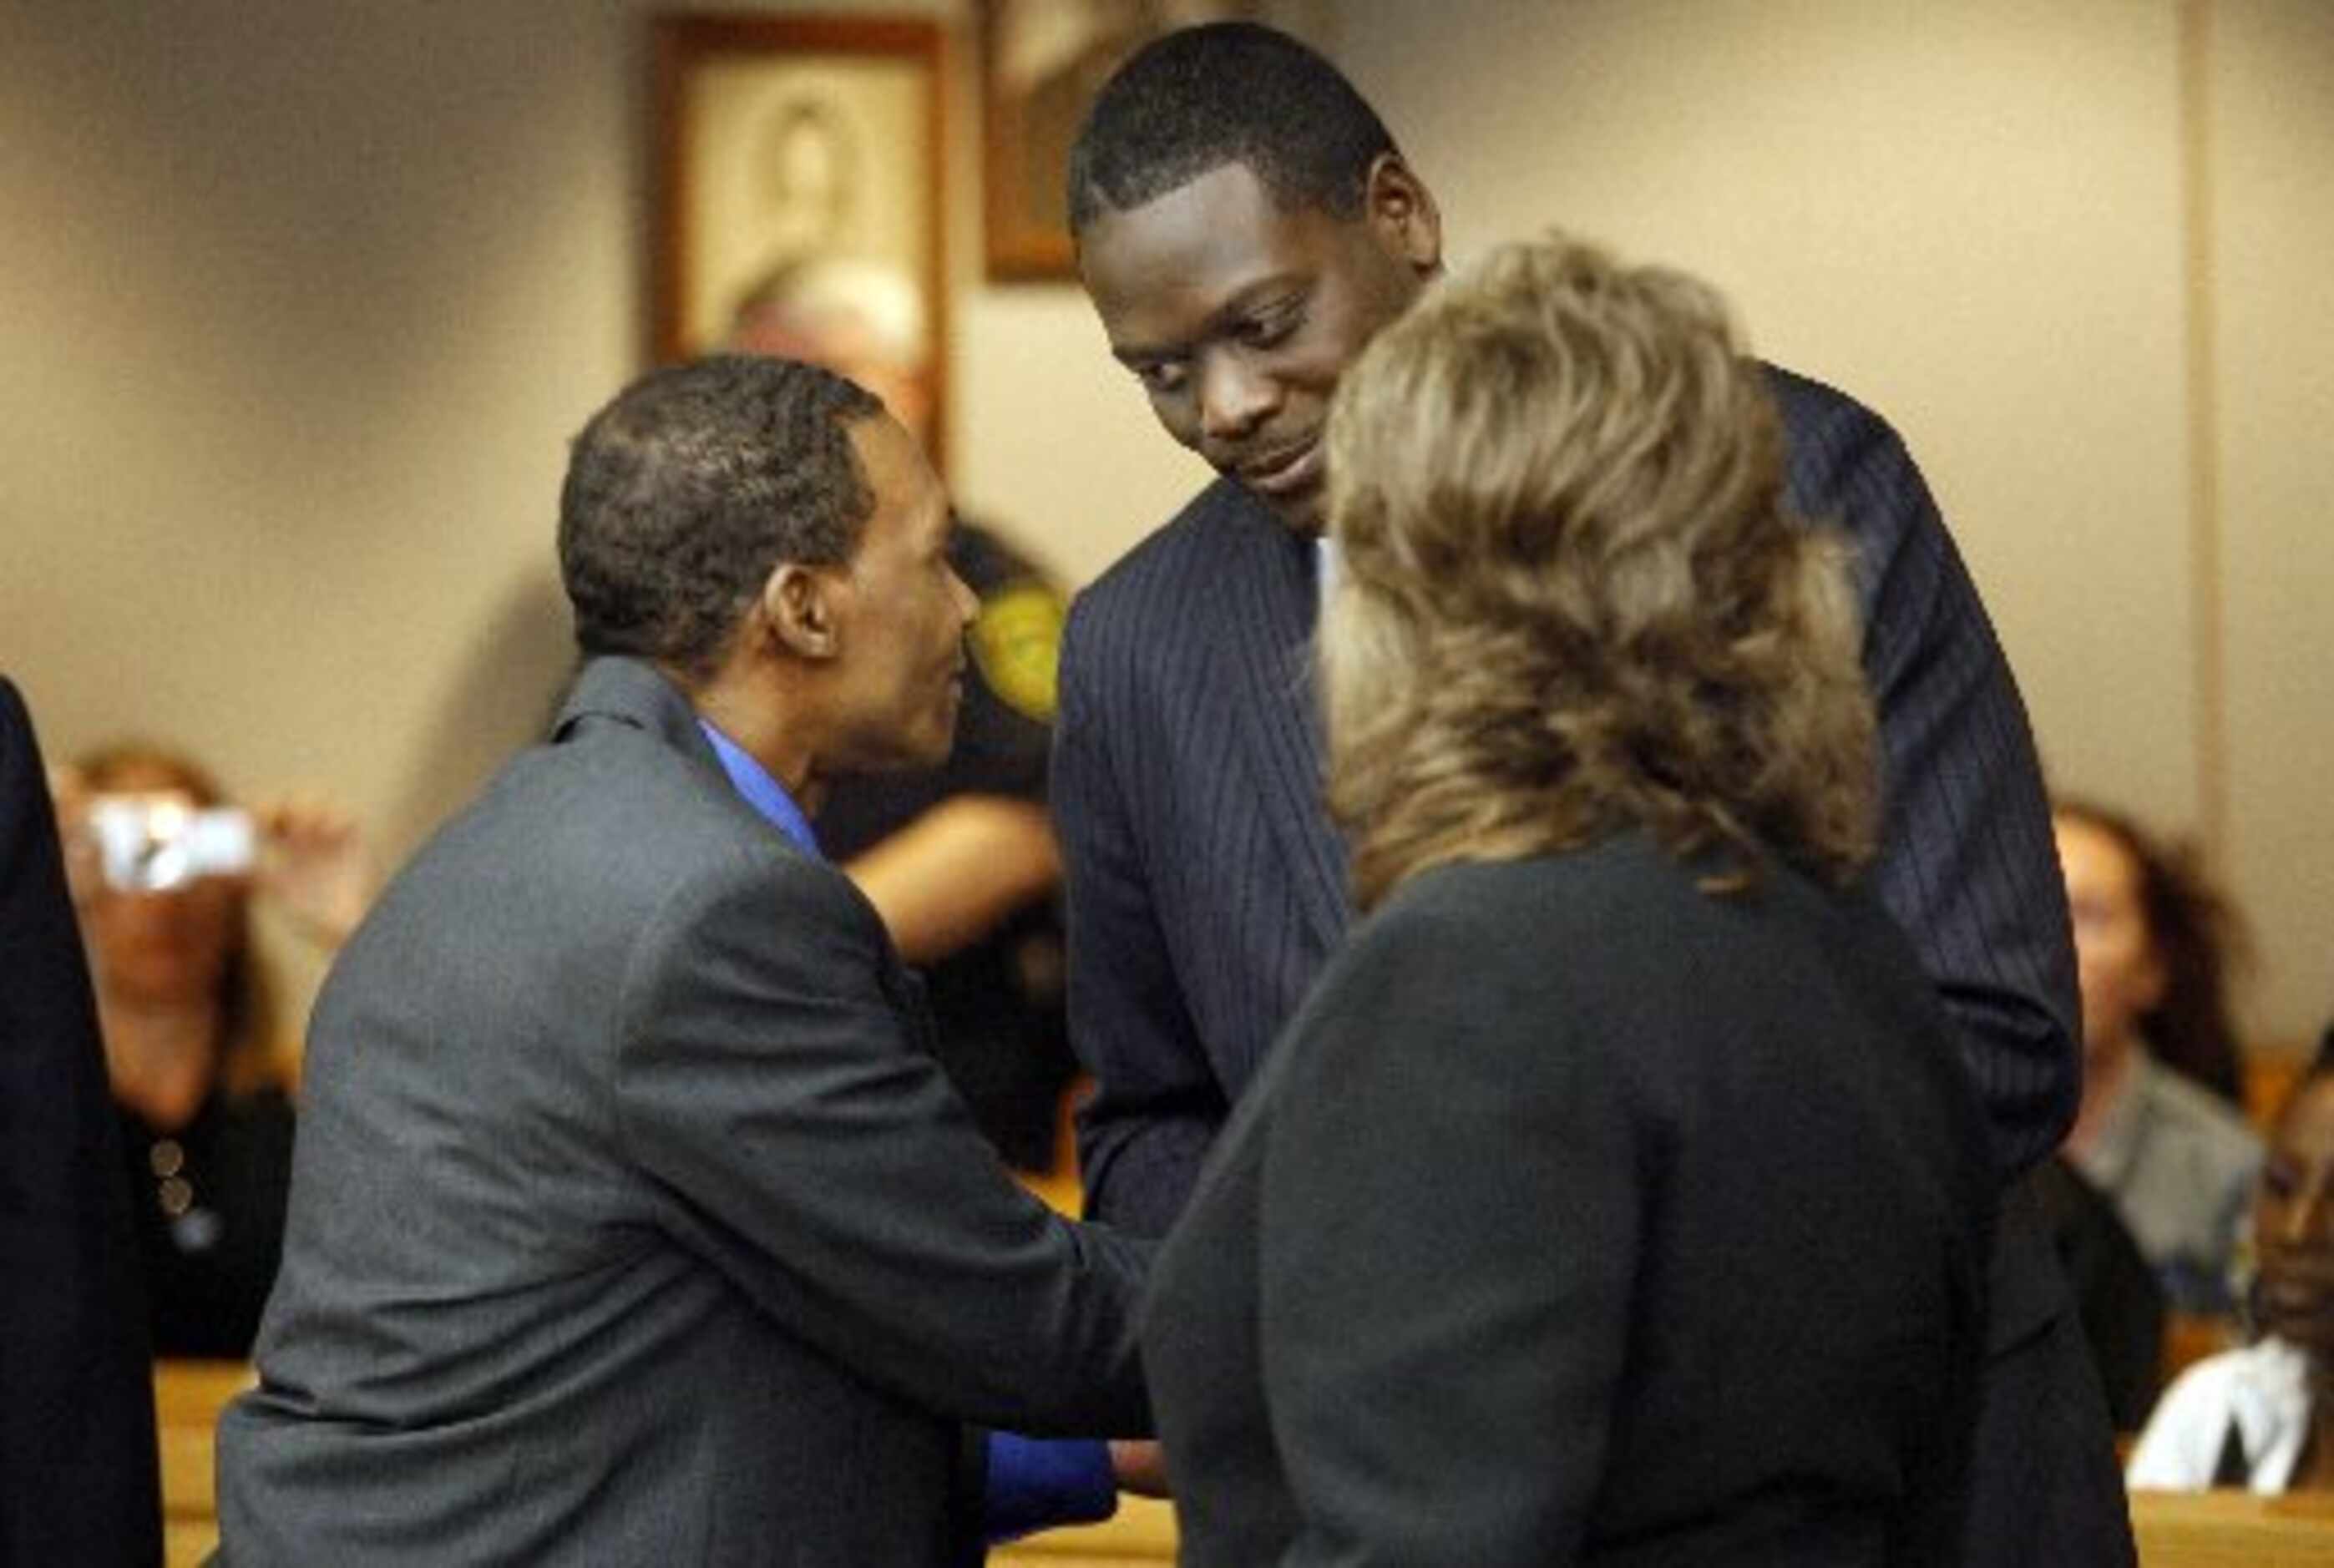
[1616, 1195]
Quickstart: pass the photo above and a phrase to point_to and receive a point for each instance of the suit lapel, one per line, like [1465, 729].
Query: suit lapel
[1270, 597]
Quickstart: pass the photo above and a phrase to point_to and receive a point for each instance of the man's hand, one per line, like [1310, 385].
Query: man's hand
[1141, 1467]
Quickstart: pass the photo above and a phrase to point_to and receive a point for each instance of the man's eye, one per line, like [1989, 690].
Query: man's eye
[1159, 375]
[1271, 327]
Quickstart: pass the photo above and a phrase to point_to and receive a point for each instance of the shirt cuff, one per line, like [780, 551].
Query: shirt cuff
[1037, 1483]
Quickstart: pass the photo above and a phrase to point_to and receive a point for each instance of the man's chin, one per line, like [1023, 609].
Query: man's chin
[923, 756]
[933, 749]
[1301, 513]
[902, 754]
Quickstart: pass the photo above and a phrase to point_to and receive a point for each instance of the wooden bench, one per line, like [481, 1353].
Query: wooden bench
[2175, 1530]
[1141, 1531]
[188, 1398]
[2232, 1530]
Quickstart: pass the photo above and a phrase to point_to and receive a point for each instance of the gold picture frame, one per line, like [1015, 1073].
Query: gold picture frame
[780, 139]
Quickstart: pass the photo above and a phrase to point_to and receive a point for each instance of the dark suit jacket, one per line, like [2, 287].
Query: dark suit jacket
[77, 1461]
[2119, 1299]
[1583, 1217]
[1206, 886]
[631, 1218]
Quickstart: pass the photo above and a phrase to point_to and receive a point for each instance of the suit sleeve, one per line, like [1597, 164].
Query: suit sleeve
[1967, 864]
[77, 1476]
[814, 1151]
[1443, 1340]
[1155, 1105]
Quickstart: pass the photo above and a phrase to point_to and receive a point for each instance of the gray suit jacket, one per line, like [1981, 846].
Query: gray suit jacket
[631, 1218]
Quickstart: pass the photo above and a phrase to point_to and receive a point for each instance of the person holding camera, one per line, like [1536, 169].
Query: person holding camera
[164, 874]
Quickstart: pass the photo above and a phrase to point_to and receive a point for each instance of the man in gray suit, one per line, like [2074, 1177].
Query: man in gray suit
[631, 1218]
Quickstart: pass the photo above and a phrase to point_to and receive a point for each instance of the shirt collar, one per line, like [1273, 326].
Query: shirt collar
[761, 790]
[2269, 1399]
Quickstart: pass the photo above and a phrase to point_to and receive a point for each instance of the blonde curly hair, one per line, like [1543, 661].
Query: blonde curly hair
[1570, 598]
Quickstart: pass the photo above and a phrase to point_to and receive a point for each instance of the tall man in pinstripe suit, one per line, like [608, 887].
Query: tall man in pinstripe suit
[1244, 225]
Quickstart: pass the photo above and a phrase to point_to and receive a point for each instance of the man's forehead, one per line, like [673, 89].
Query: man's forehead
[1229, 206]
[898, 473]
[1194, 250]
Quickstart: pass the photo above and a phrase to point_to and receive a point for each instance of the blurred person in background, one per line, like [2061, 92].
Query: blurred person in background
[2262, 1416]
[960, 860]
[2158, 1132]
[197, 1053]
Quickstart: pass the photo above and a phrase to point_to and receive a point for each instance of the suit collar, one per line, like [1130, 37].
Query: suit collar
[1271, 600]
[632, 691]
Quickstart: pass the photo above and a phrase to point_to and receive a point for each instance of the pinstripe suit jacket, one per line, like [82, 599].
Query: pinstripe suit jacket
[1207, 884]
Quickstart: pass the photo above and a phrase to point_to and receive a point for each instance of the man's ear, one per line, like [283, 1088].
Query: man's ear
[798, 603]
[1401, 211]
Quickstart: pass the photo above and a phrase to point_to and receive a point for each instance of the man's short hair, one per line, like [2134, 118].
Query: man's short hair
[1190, 102]
[691, 486]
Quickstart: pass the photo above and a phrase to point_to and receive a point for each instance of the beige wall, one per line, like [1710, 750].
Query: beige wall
[2269, 237]
[301, 303]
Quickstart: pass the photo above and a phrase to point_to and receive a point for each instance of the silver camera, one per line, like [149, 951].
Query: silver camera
[149, 843]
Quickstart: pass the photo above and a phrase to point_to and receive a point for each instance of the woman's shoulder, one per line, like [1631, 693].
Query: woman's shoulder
[1624, 898]
[1579, 887]
[1546, 944]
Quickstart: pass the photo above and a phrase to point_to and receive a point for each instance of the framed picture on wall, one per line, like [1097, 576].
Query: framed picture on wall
[1041, 63]
[792, 152]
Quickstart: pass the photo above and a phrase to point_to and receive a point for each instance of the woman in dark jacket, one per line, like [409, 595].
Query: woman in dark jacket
[1617, 1196]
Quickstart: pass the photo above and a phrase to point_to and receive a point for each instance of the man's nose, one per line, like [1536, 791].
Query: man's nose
[1235, 398]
